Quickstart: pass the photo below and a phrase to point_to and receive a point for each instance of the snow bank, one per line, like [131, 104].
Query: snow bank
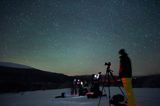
[144, 97]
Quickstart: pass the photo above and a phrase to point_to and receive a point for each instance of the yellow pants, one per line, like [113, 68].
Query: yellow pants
[127, 84]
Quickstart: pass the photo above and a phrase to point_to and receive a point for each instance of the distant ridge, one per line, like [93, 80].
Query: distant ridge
[14, 65]
[16, 79]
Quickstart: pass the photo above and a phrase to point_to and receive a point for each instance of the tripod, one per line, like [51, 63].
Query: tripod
[108, 76]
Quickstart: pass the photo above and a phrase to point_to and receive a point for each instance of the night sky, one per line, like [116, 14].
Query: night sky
[77, 37]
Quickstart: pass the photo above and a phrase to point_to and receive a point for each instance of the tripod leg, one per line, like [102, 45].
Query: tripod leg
[109, 91]
[118, 85]
[109, 95]
[100, 96]
[102, 91]
[121, 91]
[105, 93]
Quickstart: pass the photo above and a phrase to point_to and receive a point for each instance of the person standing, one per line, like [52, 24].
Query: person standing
[125, 73]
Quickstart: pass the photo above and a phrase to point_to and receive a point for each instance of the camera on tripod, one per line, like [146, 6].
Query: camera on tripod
[108, 66]
[117, 99]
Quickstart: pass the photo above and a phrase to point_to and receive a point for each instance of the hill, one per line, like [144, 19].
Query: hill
[14, 65]
[14, 79]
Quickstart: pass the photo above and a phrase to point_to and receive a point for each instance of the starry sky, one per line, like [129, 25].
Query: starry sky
[77, 37]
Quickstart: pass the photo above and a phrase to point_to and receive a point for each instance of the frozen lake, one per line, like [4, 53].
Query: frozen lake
[144, 97]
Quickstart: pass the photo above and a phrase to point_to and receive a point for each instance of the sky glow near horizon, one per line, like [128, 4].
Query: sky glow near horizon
[77, 37]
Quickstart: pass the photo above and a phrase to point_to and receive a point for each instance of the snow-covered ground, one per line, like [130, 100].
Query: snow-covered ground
[144, 97]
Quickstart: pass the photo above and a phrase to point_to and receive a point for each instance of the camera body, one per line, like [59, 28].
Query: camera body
[107, 64]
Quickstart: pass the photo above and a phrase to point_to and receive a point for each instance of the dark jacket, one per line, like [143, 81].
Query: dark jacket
[125, 68]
